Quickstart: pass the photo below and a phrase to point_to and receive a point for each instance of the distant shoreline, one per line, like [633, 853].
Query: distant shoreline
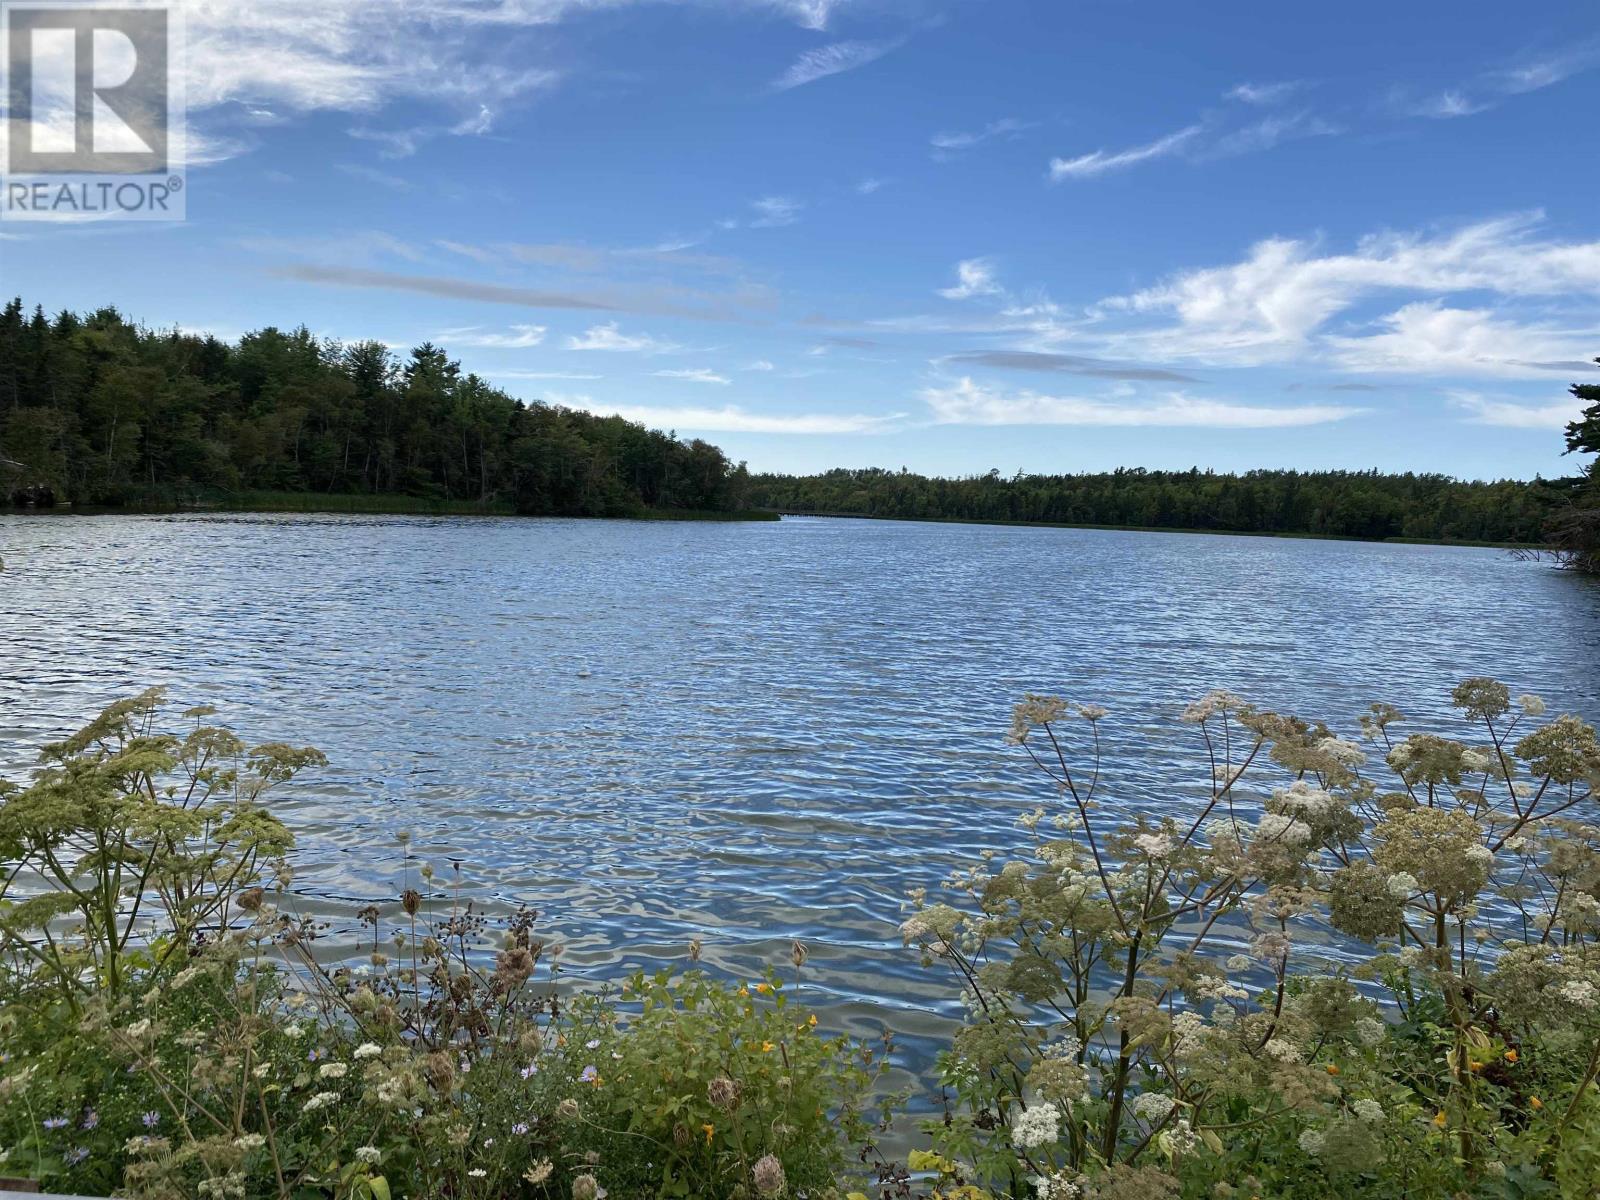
[413, 506]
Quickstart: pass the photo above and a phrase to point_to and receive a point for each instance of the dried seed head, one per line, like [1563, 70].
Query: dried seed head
[798, 953]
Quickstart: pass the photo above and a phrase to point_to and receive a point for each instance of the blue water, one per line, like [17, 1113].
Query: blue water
[746, 733]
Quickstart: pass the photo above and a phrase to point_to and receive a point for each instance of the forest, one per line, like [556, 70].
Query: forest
[97, 410]
[101, 411]
[1352, 504]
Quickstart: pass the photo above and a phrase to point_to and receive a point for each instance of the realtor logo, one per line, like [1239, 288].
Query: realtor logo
[91, 113]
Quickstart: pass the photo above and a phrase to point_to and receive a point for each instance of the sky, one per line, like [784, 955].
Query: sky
[946, 235]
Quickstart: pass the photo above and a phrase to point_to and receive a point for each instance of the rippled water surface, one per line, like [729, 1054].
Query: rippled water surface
[743, 732]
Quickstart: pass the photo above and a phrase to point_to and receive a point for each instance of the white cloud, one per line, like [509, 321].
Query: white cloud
[520, 337]
[1427, 337]
[695, 375]
[975, 278]
[1278, 301]
[968, 403]
[868, 186]
[774, 212]
[734, 419]
[760, 364]
[540, 375]
[610, 337]
[1513, 414]
[831, 60]
[1006, 127]
[372, 175]
[1087, 166]
[1264, 93]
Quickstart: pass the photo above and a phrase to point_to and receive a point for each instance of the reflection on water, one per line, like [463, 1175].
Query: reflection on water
[746, 733]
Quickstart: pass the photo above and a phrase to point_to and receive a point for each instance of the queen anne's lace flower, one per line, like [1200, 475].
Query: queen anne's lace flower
[1153, 1106]
[1036, 1126]
[1368, 1110]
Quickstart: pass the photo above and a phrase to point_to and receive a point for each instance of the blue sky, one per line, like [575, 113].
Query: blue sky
[950, 235]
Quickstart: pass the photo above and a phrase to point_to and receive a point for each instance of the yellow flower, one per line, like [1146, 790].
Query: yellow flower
[767, 1047]
[1440, 1119]
[1536, 1102]
[743, 991]
[812, 1020]
[764, 988]
[1511, 1056]
[1332, 1070]
[710, 1130]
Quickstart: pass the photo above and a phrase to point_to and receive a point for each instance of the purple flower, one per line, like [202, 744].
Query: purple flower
[588, 1074]
[75, 1156]
[56, 1122]
[519, 1128]
[592, 1044]
[529, 1071]
[151, 1119]
[91, 1119]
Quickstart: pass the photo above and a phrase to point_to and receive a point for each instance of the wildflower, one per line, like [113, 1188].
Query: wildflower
[1036, 1126]
[319, 1101]
[710, 1132]
[1275, 827]
[368, 1050]
[75, 1156]
[1531, 704]
[723, 1093]
[529, 1071]
[1402, 885]
[1153, 845]
[1210, 705]
[1180, 1139]
[520, 1128]
[368, 1154]
[1370, 1031]
[768, 1047]
[333, 1070]
[539, 1172]
[1312, 1141]
[1368, 1110]
[764, 988]
[1536, 1102]
[1283, 1051]
[812, 1020]
[253, 1141]
[1440, 1120]
[767, 1175]
[1511, 1056]
[589, 1074]
[592, 1044]
[151, 1119]
[585, 1187]
[1480, 855]
[1153, 1107]
[567, 1109]
[56, 1122]
[477, 1173]
[1332, 1069]
[1580, 992]
[91, 1120]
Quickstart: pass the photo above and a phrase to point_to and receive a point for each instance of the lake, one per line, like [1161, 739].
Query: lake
[746, 733]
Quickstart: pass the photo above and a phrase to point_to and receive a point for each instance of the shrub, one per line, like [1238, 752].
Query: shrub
[1153, 1011]
[172, 1030]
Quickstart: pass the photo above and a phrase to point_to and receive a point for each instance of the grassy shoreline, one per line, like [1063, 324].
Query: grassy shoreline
[375, 504]
[1257, 533]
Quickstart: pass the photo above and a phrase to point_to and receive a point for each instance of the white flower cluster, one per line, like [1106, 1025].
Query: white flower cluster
[1283, 1051]
[1036, 1126]
[1153, 1106]
[1370, 1031]
[1210, 705]
[1368, 1110]
[1480, 856]
[1346, 754]
[1403, 885]
[1188, 1033]
[368, 1050]
[1276, 827]
[1055, 1187]
[368, 1154]
[1312, 1141]
[321, 1100]
[1580, 992]
[1304, 799]
[1155, 845]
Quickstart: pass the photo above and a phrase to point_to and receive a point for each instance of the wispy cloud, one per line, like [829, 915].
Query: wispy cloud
[611, 338]
[1100, 162]
[967, 403]
[1510, 413]
[695, 375]
[1264, 93]
[774, 212]
[832, 60]
[868, 187]
[946, 144]
[1531, 73]
[520, 337]
[1067, 364]
[974, 277]
[372, 175]
[733, 418]
[540, 375]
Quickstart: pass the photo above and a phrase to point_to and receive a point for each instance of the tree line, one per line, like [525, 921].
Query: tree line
[1575, 528]
[99, 410]
[1355, 504]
